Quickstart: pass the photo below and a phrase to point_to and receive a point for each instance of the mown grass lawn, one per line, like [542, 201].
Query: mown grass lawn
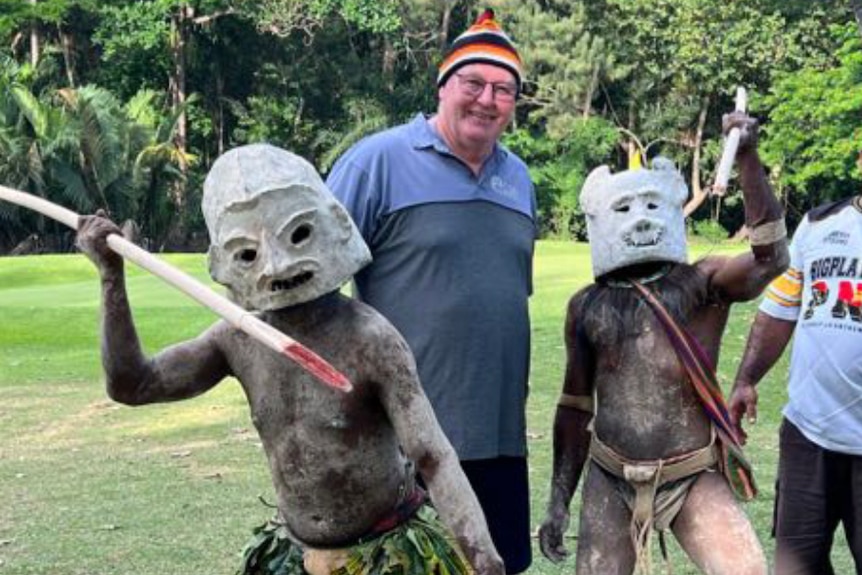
[88, 487]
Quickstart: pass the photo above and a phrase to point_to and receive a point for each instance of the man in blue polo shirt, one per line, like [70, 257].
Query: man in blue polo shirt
[450, 217]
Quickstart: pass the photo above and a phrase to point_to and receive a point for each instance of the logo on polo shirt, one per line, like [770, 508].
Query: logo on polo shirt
[502, 187]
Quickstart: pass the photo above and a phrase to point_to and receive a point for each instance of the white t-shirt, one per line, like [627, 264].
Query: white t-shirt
[822, 292]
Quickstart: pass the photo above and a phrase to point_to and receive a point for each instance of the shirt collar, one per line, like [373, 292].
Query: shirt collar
[423, 136]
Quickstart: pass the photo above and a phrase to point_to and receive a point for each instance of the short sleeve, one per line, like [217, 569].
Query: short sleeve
[783, 297]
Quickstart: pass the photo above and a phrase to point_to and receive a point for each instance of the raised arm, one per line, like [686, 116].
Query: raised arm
[424, 442]
[744, 277]
[766, 342]
[178, 372]
[571, 436]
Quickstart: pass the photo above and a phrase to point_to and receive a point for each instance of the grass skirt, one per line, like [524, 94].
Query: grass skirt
[420, 546]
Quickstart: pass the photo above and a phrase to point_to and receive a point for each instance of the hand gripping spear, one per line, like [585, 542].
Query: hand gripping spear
[235, 315]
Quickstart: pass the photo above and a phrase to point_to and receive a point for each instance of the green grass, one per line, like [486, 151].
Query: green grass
[88, 487]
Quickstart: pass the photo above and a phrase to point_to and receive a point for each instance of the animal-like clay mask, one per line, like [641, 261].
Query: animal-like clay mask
[635, 216]
[278, 236]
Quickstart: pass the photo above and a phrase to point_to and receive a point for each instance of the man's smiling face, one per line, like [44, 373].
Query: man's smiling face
[474, 122]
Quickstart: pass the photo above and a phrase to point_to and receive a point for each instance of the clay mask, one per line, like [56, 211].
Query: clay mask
[635, 216]
[278, 236]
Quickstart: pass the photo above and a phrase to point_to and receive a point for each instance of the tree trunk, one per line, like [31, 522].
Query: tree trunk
[34, 41]
[179, 37]
[220, 121]
[445, 22]
[591, 89]
[388, 67]
[856, 6]
[68, 44]
[698, 193]
[297, 117]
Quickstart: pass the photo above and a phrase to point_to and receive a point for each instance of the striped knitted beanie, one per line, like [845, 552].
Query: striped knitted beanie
[483, 43]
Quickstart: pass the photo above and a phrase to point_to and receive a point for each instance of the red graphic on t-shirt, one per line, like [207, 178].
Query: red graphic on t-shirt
[819, 295]
[849, 301]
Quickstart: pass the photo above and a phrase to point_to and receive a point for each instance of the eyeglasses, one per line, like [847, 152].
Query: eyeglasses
[474, 87]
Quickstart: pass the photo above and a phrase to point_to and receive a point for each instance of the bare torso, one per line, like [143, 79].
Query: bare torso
[326, 449]
[645, 380]
[647, 409]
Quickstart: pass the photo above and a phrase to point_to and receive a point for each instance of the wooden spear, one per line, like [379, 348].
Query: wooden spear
[731, 144]
[235, 315]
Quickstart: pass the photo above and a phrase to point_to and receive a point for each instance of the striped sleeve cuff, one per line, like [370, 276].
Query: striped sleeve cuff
[783, 297]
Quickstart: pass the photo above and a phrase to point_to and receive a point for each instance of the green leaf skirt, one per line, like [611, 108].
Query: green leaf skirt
[420, 546]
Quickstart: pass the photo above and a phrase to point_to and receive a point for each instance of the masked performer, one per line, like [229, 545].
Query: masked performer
[640, 402]
[341, 464]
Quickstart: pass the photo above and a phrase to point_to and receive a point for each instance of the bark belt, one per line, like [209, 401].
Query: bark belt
[652, 471]
[647, 476]
[652, 509]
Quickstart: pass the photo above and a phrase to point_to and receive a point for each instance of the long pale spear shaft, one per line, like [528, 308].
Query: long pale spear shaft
[235, 315]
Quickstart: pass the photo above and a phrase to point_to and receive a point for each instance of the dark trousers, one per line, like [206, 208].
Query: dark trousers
[816, 490]
[502, 488]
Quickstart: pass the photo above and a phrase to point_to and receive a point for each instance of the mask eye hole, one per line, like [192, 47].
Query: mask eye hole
[247, 255]
[652, 206]
[621, 209]
[300, 234]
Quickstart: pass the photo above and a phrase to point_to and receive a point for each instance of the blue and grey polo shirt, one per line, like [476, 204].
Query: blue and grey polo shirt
[452, 271]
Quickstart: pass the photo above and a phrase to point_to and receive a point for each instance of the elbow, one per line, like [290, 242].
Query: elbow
[428, 464]
[772, 261]
[120, 395]
[124, 390]
[432, 463]
[760, 276]
[783, 258]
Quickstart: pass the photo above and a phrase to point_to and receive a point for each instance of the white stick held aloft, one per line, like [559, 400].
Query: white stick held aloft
[731, 143]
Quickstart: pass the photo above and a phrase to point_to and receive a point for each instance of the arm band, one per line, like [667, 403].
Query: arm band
[767, 233]
[579, 402]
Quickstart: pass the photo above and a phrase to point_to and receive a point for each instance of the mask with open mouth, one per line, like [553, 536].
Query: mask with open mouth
[278, 236]
[635, 216]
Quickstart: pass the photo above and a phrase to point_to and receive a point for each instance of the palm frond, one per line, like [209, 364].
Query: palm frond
[141, 109]
[73, 189]
[168, 126]
[32, 109]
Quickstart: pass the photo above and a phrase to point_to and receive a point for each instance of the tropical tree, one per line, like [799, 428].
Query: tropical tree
[157, 167]
[36, 135]
[688, 57]
[83, 149]
[106, 116]
[564, 62]
[815, 128]
[559, 168]
[16, 170]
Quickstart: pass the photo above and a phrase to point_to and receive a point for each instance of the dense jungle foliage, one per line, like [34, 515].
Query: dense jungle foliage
[124, 104]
